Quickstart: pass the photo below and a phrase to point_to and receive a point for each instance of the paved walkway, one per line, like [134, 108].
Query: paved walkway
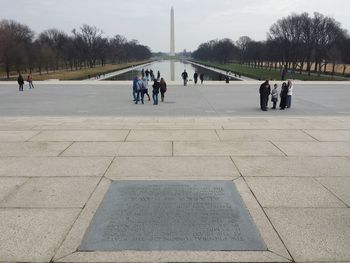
[292, 173]
[213, 99]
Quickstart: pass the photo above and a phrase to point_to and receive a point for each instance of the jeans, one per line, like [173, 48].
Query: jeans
[134, 94]
[31, 86]
[142, 93]
[155, 98]
[20, 87]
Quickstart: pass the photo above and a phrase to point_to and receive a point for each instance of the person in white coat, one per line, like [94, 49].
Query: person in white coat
[289, 94]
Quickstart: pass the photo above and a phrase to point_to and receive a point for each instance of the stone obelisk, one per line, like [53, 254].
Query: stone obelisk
[172, 33]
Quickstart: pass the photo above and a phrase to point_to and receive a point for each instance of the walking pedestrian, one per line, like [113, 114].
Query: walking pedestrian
[30, 81]
[163, 89]
[20, 81]
[143, 73]
[145, 88]
[151, 74]
[274, 96]
[158, 75]
[195, 77]
[135, 87]
[184, 76]
[283, 96]
[139, 90]
[264, 91]
[289, 94]
[155, 92]
[147, 74]
[201, 77]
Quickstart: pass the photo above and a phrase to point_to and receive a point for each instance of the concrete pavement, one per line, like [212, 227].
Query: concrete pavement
[213, 99]
[292, 173]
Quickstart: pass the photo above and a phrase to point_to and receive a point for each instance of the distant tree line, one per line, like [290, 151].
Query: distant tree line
[298, 42]
[53, 49]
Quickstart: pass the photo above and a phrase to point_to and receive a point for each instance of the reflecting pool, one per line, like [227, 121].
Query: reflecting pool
[170, 70]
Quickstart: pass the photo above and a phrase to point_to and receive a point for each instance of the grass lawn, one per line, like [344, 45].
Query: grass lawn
[80, 74]
[262, 74]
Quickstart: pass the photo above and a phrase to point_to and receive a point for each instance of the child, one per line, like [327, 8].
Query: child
[274, 94]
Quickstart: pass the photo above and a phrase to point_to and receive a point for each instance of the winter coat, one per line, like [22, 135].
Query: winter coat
[163, 87]
[20, 80]
[274, 94]
[265, 90]
[156, 87]
[134, 84]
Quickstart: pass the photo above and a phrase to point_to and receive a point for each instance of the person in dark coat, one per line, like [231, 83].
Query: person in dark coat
[264, 91]
[155, 92]
[184, 76]
[195, 77]
[201, 77]
[283, 95]
[163, 89]
[20, 81]
[147, 74]
[158, 75]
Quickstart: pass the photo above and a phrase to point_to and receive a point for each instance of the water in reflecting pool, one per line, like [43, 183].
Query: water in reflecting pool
[170, 70]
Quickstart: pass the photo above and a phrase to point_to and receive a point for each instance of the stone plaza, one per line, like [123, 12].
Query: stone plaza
[64, 145]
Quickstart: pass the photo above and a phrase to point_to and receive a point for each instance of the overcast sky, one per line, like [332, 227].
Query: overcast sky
[148, 21]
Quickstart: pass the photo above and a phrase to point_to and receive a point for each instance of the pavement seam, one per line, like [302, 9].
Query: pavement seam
[262, 208]
[60, 154]
[67, 233]
[126, 137]
[278, 148]
[29, 139]
[304, 131]
[331, 192]
[8, 196]
[110, 164]
[239, 171]
[79, 214]
[216, 132]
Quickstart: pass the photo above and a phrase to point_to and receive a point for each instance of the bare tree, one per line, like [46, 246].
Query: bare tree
[15, 41]
[88, 41]
[55, 39]
[242, 45]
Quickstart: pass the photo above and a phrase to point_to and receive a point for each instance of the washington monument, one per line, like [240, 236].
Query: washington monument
[172, 34]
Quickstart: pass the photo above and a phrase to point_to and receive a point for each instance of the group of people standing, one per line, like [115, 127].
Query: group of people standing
[149, 75]
[140, 89]
[20, 81]
[285, 95]
[184, 76]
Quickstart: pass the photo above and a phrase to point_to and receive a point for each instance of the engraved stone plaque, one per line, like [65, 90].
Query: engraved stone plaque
[172, 215]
